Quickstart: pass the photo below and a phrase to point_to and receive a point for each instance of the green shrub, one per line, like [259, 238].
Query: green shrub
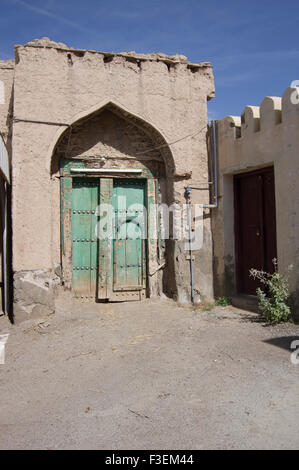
[223, 301]
[273, 299]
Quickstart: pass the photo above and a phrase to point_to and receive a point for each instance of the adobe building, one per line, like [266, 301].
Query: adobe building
[257, 218]
[87, 127]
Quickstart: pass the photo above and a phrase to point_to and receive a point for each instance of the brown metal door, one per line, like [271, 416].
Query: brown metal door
[255, 226]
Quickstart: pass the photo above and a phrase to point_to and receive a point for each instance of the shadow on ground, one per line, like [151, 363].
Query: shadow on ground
[283, 342]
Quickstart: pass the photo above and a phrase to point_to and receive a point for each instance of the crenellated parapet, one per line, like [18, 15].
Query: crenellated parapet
[266, 118]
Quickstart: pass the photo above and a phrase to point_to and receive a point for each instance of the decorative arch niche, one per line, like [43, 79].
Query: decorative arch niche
[141, 139]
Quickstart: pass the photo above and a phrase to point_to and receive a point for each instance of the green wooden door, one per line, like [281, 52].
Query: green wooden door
[128, 201]
[108, 268]
[85, 199]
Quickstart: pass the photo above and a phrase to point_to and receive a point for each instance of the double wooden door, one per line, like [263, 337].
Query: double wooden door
[255, 226]
[108, 250]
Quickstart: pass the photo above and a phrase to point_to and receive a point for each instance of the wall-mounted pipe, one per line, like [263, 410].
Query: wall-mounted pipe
[190, 250]
[189, 216]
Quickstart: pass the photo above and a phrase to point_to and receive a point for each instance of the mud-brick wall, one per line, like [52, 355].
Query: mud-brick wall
[6, 97]
[56, 84]
[266, 135]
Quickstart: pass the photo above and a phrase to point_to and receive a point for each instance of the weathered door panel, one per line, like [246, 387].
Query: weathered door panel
[127, 260]
[105, 240]
[85, 197]
[129, 239]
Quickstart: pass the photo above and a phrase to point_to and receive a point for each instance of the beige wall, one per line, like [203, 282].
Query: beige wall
[53, 83]
[268, 135]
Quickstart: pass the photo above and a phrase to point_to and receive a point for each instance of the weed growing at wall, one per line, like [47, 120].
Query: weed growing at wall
[273, 299]
[223, 301]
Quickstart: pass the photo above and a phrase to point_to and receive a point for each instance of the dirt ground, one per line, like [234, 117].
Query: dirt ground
[148, 375]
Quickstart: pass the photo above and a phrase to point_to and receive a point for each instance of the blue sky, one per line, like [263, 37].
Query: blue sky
[252, 45]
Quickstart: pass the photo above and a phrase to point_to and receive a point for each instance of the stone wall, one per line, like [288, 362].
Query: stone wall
[262, 136]
[165, 96]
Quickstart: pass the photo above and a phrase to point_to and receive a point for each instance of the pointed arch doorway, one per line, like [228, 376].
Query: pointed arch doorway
[108, 157]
